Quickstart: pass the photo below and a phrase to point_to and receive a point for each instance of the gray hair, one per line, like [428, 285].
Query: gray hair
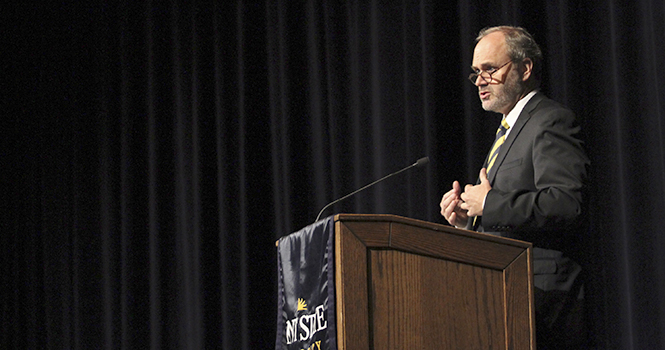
[520, 44]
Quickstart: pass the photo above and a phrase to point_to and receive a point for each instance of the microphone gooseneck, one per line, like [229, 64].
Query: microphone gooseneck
[420, 163]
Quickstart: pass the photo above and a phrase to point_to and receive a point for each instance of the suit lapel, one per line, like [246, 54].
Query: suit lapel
[514, 132]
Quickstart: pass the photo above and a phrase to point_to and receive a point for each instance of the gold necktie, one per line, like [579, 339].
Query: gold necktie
[500, 138]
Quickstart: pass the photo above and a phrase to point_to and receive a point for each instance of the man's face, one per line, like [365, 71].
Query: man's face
[505, 88]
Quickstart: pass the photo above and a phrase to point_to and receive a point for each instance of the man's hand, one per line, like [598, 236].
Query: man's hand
[474, 196]
[450, 207]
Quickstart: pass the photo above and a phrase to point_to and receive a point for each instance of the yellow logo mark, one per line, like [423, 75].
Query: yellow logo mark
[302, 305]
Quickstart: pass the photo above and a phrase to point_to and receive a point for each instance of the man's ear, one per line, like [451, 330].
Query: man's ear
[527, 63]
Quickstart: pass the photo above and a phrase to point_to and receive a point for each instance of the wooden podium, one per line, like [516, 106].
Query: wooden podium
[408, 284]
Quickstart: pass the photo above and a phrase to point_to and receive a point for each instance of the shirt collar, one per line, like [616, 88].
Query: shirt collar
[511, 117]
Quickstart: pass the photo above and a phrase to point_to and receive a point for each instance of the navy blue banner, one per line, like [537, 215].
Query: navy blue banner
[306, 289]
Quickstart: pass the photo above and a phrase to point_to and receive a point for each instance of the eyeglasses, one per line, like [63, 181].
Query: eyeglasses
[485, 75]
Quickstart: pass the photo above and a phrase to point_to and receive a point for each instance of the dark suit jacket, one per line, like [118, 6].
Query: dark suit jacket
[537, 194]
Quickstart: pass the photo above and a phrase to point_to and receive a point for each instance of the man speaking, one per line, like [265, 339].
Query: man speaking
[531, 186]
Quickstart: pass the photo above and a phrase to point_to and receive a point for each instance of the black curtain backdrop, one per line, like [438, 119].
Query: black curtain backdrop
[152, 153]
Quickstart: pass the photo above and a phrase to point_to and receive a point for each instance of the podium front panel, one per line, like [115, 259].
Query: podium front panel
[408, 284]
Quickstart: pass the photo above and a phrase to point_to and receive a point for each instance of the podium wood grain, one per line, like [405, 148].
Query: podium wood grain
[408, 284]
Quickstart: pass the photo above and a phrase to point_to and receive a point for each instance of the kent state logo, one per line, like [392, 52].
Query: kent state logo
[303, 327]
[302, 305]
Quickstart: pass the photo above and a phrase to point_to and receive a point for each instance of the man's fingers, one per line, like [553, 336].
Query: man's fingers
[449, 211]
[483, 175]
[447, 196]
[448, 208]
[450, 204]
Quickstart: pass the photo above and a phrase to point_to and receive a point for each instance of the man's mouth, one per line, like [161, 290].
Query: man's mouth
[484, 95]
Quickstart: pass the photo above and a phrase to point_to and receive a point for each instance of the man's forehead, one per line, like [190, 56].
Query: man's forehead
[490, 51]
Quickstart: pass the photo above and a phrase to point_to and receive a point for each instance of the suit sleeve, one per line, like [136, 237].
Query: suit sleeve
[545, 192]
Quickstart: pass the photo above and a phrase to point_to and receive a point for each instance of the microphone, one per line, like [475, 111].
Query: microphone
[421, 162]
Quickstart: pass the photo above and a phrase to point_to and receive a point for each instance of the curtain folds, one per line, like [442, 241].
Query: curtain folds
[157, 150]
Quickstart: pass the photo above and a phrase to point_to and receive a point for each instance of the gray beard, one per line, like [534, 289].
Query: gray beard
[513, 88]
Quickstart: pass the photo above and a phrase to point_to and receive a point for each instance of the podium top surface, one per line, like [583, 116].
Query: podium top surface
[385, 231]
[390, 218]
